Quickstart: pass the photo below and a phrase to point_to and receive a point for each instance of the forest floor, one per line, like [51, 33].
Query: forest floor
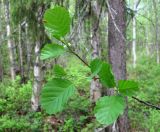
[16, 115]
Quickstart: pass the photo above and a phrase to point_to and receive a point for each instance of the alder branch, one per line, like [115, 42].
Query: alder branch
[74, 53]
[135, 98]
[146, 103]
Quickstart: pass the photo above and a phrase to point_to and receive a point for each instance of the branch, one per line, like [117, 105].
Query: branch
[135, 11]
[81, 17]
[146, 103]
[74, 53]
[140, 101]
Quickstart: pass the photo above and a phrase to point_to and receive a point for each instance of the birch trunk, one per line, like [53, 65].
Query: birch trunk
[38, 74]
[28, 45]
[134, 36]
[1, 66]
[9, 41]
[38, 78]
[135, 6]
[1, 38]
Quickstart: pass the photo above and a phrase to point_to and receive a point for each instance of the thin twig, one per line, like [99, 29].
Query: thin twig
[74, 53]
[140, 101]
[80, 20]
[146, 103]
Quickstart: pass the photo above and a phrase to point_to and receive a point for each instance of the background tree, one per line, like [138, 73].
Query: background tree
[99, 29]
[11, 47]
[117, 50]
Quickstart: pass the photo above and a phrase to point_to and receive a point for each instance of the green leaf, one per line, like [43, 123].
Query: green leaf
[51, 51]
[57, 21]
[127, 87]
[108, 109]
[59, 71]
[96, 66]
[55, 95]
[104, 71]
[106, 76]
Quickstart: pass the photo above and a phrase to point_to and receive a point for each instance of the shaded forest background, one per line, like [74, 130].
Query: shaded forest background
[22, 73]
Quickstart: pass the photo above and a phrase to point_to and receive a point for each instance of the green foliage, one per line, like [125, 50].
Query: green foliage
[57, 91]
[146, 74]
[106, 76]
[96, 66]
[15, 114]
[13, 93]
[77, 73]
[55, 94]
[127, 88]
[13, 124]
[104, 71]
[59, 71]
[57, 21]
[69, 125]
[51, 51]
[108, 109]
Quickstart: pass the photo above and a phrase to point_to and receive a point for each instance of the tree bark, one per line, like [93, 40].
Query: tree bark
[21, 54]
[147, 41]
[38, 74]
[38, 78]
[136, 3]
[1, 66]
[1, 38]
[156, 30]
[117, 52]
[134, 36]
[9, 41]
[28, 45]
[95, 88]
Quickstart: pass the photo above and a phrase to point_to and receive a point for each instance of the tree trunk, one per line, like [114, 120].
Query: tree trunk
[136, 3]
[38, 75]
[1, 38]
[117, 52]
[28, 45]
[156, 30]
[134, 36]
[1, 66]
[95, 88]
[21, 54]
[147, 40]
[9, 41]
